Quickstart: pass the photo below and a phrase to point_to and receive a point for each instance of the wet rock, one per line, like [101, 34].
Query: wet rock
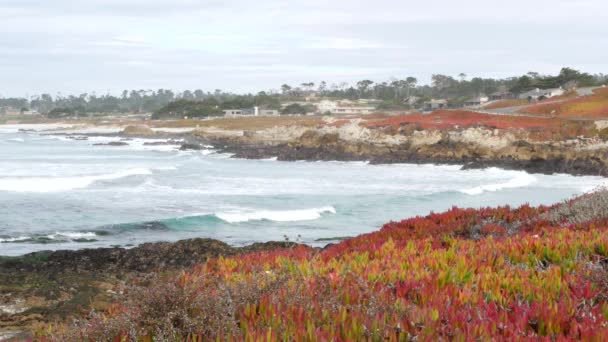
[533, 157]
[112, 143]
[162, 143]
[191, 147]
[77, 137]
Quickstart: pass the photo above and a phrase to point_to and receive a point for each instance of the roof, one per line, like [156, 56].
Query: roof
[539, 91]
[437, 101]
[480, 98]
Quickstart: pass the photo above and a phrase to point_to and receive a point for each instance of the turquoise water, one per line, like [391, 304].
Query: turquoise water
[60, 193]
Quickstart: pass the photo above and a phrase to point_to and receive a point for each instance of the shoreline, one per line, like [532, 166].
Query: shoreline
[466, 156]
[49, 286]
[59, 285]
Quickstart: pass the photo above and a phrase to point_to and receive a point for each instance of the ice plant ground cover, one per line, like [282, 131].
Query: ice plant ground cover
[464, 274]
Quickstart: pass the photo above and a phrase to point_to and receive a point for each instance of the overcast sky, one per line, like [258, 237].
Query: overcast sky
[243, 45]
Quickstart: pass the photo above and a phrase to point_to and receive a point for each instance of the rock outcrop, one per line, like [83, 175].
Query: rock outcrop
[472, 147]
[138, 131]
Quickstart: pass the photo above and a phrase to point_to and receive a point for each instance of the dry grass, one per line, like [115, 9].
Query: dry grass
[505, 104]
[444, 119]
[593, 106]
[587, 208]
[244, 123]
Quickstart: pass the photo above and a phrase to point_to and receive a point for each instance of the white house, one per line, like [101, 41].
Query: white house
[411, 100]
[234, 112]
[255, 111]
[476, 101]
[541, 94]
[344, 107]
[30, 112]
[436, 104]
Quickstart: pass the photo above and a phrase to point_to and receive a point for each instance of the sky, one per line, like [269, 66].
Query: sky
[72, 47]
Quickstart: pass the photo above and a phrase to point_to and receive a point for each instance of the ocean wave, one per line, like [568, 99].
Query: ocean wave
[72, 235]
[58, 184]
[276, 215]
[20, 140]
[15, 239]
[57, 237]
[519, 181]
[202, 220]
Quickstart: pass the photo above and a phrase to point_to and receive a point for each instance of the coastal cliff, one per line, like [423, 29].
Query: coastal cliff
[473, 147]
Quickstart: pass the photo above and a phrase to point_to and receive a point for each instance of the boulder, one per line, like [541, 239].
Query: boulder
[138, 130]
[191, 146]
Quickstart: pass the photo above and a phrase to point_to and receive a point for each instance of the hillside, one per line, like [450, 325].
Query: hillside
[467, 274]
[591, 106]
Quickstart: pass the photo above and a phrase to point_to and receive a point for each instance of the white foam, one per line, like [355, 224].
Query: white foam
[276, 215]
[139, 144]
[54, 236]
[520, 181]
[57, 184]
[15, 239]
[34, 127]
[16, 140]
[71, 235]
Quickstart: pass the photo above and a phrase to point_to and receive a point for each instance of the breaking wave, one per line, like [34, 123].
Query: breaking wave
[197, 221]
[276, 215]
[519, 181]
[57, 184]
[56, 237]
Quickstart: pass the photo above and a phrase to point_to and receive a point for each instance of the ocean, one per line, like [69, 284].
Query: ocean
[62, 193]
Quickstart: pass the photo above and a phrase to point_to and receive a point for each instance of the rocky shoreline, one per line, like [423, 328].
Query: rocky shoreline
[476, 148]
[45, 287]
[521, 156]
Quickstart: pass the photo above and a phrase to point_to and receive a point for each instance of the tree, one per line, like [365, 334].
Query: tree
[571, 78]
[322, 87]
[296, 108]
[362, 86]
[308, 86]
[187, 94]
[442, 81]
[286, 89]
[523, 84]
[410, 83]
[199, 94]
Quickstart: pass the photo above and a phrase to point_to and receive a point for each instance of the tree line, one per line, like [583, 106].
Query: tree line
[391, 94]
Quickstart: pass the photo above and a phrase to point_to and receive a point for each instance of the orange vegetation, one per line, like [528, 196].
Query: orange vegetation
[593, 106]
[527, 273]
[451, 118]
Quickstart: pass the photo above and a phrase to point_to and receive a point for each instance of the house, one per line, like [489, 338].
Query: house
[541, 94]
[234, 112]
[501, 95]
[435, 104]
[30, 112]
[268, 112]
[412, 100]
[476, 101]
[255, 111]
[344, 107]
